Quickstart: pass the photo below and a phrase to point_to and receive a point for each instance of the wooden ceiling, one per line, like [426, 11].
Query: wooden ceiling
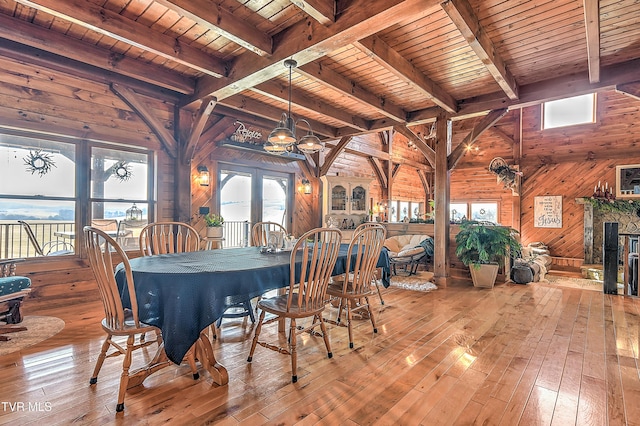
[363, 65]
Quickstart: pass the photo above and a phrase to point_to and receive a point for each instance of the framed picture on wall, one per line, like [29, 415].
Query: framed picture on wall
[547, 211]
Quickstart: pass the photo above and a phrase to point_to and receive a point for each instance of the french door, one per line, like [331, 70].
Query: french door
[250, 195]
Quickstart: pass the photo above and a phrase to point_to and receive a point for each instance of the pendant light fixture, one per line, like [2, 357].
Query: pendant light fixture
[283, 139]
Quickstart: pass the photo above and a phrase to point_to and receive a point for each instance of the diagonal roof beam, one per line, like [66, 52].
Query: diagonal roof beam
[213, 17]
[592, 28]
[323, 11]
[462, 148]
[328, 77]
[384, 55]
[465, 20]
[309, 40]
[333, 154]
[93, 17]
[630, 89]
[428, 152]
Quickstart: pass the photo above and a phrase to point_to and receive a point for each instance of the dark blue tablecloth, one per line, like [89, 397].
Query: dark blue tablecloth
[183, 293]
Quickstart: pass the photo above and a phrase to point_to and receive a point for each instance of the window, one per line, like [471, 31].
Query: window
[569, 111]
[481, 210]
[43, 185]
[400, 211]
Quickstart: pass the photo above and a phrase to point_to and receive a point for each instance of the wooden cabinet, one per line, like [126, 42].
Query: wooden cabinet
[345, 195]
[345, 200]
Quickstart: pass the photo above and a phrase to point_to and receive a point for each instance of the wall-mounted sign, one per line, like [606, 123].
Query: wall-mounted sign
[547, 211]
[243, 134]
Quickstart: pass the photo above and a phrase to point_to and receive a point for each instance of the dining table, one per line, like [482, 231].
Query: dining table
[184, 293]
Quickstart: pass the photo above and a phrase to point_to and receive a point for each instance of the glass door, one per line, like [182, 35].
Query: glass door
[248, 196]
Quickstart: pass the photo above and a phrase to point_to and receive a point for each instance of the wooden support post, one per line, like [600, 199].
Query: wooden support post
[441, 264]
[610, 258]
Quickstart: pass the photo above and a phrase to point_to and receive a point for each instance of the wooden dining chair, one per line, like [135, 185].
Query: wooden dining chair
[354, 288]
[306, 295]
[260, 232]
[103, 251]
[168, 237]
[376, 279]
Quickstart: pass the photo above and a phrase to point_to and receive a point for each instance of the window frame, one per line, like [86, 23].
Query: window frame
[82, 197]
[594, 114]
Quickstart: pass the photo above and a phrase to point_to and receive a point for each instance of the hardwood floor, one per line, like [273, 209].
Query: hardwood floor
[529, 355]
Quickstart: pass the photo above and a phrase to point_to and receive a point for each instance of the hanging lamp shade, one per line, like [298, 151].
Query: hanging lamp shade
[283, 134]
[310, 143]
[275, 149]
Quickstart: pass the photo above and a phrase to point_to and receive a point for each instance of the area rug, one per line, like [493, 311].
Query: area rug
[39, 328]
[418, 282]
[581, 283]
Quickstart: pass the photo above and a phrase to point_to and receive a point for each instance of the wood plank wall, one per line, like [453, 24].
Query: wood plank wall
[565, 162]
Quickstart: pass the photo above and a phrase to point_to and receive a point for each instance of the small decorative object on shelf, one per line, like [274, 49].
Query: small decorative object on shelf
[606, 193]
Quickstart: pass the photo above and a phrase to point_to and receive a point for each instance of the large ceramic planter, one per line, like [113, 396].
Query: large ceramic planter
[485, 275]
[214, 231]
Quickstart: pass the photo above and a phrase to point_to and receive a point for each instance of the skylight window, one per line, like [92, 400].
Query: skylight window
[569, 111]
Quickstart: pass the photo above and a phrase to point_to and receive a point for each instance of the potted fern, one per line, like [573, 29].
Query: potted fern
[483, 247]
[214, 225]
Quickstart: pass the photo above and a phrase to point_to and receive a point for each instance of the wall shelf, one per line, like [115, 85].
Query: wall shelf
[258, 149]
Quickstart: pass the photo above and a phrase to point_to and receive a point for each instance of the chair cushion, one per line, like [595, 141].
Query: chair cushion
[13, 284]
[404, 245]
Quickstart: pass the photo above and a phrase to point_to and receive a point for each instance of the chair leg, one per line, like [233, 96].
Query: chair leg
[293, 340]
[379, 292]
[100, 360]
[349, 318]
[124, 378]
[325, 336]
[373, 321]
[191, 359]
[214, 332]
[249, 309]
[256, 335]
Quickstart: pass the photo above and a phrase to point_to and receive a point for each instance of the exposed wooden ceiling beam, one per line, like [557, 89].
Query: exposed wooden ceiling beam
[333, 154]
[251, 106]
[309, 40]
[199, 120]
[326, 76]
[630, 89]
[384, 55]
[542, 91]
[93, 17]
[378, 170]
[276, 91]
[215, 18]
[465, 20]
[76, 50]
[323, 11]
[469, 140]
[428, 152]
[140, 108]
[592, 28]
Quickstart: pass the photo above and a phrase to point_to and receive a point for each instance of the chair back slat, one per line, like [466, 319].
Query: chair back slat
[319, 256]
[362, 257]
[168, 237]
[260, 232]
[103, 251]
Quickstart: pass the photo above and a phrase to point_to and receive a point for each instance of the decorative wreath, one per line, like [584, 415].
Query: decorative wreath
[39, 162]
[122, 171]
[504, 172]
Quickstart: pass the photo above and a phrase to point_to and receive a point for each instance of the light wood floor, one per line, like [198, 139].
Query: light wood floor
[528, 355]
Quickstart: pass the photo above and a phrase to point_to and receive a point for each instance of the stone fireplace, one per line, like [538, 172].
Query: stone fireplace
[628, 223]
